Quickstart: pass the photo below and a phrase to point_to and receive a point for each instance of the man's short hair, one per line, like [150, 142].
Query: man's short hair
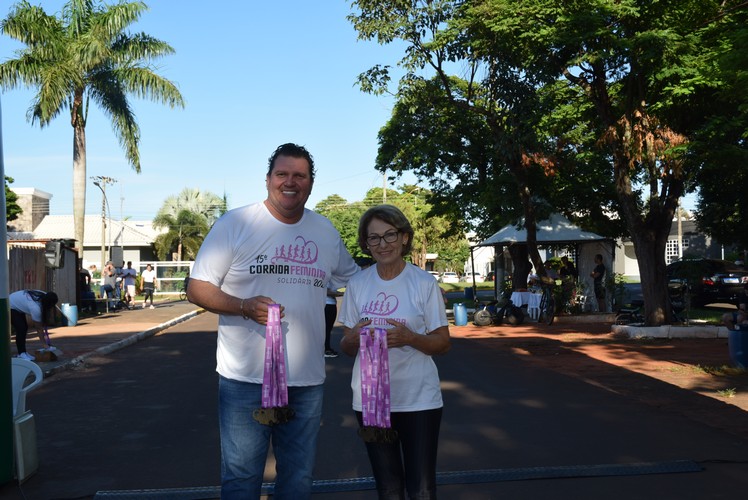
[294, 151]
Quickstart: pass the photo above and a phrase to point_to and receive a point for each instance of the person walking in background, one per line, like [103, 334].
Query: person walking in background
[128, 280]
[40, 306]
[271, 252]
[148, 284]
[406, 301]
[598, 274]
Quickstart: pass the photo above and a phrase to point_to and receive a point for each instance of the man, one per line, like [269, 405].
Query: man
[598, 273]
[271, 252]
[108, 282]
[128, 280]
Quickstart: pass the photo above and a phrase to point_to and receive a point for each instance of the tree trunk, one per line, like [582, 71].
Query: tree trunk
[649, 232]
[650, 254]
[521, 264]
[79, 184]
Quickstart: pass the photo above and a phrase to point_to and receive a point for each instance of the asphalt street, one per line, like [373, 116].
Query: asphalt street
[144, 418]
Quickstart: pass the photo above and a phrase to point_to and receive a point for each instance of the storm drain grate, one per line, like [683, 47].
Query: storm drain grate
[442, 478]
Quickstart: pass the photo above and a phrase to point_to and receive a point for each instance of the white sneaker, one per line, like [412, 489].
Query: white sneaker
[27, 356]
[144, 305]
[152, 307]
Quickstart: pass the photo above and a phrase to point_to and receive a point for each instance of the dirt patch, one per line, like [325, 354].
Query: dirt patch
[688, 376]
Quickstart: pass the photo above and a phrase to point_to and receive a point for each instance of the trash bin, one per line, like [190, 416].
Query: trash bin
[70, 312]
[460, 312]
[737, 342]
[469, 293]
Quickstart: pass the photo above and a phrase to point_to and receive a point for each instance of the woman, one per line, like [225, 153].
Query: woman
[40, 306]
[407, 301]
[148, 284]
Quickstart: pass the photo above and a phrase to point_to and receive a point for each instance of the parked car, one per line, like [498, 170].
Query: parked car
[710, 280]
[449, 277]
[435, 274]
[478, 278]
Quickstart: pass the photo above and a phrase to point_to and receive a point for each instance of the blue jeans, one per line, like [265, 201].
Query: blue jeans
[244, 441]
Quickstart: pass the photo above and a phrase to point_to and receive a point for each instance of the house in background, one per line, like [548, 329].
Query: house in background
[134, 238]
[692, 244]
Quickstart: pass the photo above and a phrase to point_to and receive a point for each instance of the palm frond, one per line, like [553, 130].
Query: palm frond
[144, 83]
[32, 26]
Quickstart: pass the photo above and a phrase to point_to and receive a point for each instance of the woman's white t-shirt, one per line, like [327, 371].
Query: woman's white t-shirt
[412, 298]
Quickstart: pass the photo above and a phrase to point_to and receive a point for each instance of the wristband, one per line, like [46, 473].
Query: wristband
[241, 310]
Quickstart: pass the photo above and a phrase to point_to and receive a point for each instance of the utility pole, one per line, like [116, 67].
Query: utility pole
[384, 187]
[6, 392]
[101, 181]
[680, 230]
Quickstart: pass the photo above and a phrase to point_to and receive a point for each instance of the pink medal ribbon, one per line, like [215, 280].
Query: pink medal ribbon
[375, 378]
[274, 388]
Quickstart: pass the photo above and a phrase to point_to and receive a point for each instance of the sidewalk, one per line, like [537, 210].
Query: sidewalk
[108, 332]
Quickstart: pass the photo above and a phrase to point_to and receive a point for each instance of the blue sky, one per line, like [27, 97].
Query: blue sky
[254, 74]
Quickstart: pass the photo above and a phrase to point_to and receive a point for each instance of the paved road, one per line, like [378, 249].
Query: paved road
[144, 417]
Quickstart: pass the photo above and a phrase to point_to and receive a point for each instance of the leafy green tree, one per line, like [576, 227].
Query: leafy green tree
[616, 85]
[344, 217]
[637, 70]
[12, 210]
[721, 142]
[433, 234]
[183, 237]
[210, 205]
[483, 143]
[86, 55]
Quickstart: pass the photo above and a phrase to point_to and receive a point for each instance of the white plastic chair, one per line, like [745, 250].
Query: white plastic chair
[21, 370]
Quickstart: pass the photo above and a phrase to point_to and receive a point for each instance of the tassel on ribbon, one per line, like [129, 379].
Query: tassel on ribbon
[274, 409]
[375, 386]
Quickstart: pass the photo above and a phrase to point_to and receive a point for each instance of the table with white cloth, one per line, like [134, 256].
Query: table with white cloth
[531, 299]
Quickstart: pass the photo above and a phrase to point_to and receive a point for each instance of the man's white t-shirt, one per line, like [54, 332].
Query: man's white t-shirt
[247, 253]
[412, 298]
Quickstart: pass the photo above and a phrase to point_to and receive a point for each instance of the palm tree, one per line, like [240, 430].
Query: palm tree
[86, 55]
[206, 203]
[185, 233]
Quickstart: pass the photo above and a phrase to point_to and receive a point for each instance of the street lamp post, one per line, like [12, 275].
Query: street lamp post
[101, 182]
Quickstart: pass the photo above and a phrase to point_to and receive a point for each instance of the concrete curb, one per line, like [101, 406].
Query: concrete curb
[671, 331]
[115, 346]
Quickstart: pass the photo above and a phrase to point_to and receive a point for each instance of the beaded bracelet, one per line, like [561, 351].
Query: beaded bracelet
[241, 310]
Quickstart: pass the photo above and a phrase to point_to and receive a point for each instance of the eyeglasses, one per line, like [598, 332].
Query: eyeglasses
[388, 237]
